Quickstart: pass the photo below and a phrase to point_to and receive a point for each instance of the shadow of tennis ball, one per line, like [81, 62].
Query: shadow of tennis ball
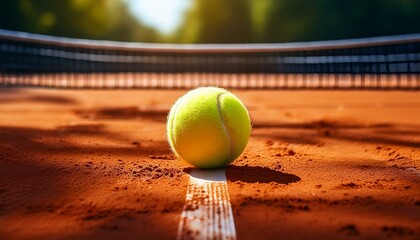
[255, 174]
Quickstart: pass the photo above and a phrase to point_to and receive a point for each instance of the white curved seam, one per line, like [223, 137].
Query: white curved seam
[175, 108]
[224, 126]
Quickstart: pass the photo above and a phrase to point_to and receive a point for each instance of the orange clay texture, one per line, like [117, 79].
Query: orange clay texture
[89, 164]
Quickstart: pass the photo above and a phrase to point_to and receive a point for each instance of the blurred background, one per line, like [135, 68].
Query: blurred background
[212, 21]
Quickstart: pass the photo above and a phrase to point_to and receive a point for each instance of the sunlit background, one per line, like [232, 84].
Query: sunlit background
[212, 21]
[163, 15]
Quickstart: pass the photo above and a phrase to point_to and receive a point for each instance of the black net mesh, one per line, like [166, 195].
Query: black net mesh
[373, 63]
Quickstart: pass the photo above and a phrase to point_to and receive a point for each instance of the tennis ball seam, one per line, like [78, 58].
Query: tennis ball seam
[172, 140]
[222, 121]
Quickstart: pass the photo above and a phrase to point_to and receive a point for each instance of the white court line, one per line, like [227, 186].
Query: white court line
[207, 211]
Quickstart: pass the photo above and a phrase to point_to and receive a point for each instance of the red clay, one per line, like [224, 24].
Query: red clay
[319, 165]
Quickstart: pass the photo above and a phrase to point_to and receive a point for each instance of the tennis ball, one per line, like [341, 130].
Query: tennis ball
[208, 127]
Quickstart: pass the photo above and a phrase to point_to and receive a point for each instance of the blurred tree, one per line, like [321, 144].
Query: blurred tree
[296, 20]
[308, 20]
[216, 21]
[99, 19]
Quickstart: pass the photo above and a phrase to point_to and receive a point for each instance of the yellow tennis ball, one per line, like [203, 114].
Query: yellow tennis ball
[208, 127]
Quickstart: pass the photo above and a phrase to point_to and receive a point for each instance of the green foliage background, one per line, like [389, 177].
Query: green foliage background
[218, 21]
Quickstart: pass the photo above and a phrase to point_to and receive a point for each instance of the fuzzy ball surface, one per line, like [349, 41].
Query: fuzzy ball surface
[208, 127]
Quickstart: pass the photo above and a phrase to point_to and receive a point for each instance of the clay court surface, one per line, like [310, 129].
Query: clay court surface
[95, 164]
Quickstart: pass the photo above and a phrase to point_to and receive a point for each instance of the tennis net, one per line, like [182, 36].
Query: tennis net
[33, 60]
